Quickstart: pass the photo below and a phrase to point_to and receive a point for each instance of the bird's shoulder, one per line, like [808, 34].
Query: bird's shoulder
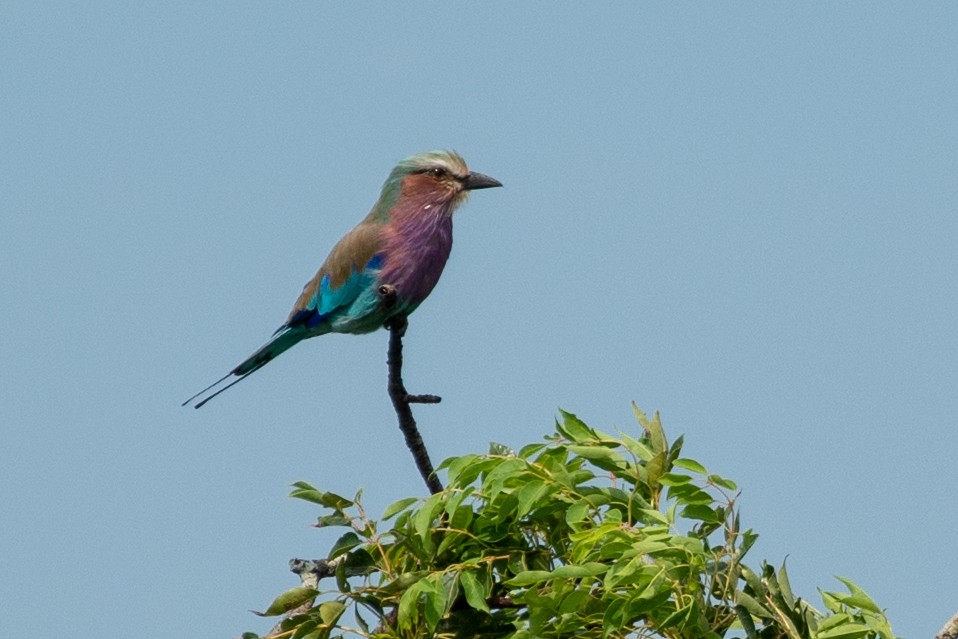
[347, 258]
[352, 252]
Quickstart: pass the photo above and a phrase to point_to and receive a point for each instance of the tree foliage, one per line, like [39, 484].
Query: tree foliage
[583, 535]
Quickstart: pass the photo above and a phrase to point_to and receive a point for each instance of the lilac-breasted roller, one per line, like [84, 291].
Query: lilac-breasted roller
[404, 242]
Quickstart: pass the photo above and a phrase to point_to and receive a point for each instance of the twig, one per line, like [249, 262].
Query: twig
[401, 398]
[310, 571]
[950, 629]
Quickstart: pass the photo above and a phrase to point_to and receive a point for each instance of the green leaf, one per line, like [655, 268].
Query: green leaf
[529, 450]
[752, 605]
[604, 458]
[290, 599]
[341, 581]
[575, 601]
[691, 465]
[612, 619]
[576, 513]
[748, 624]
[652, 546]
[835, 620]
[727, 484]
[530, 495]
[656, 516]
[473, 590]
[344, 544]
[509, 470]
[454, 498]
[637, 448]
[305, 629]
[692, 545]
[574, 429]
[625, 572]
[308, 494]
[359, 562]
[572, 571]
[785, 587]
[331, 611]
[326, 521]
[426, 515]
[702, 513]
[748, 540]
[398, 506]
[362, 622]
[403, 583]
[677, 618]
[656, 468]
[505, 506]
[450, 541]
[409, 605]
[674, 479]
[435, 601]
[651, 598]
[330, 500]
[529, 577]
[831, 602]
[676, 449]
[844, 631]
[857, 596]
[464, 470]
[690, 494]
[653, 427]
[461, 518]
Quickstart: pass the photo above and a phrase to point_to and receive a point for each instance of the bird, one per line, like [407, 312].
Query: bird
[401, 247]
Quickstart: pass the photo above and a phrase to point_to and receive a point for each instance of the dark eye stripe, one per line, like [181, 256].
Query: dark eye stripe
[439, 172]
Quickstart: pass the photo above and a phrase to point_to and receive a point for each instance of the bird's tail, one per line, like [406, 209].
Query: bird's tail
[281, 341]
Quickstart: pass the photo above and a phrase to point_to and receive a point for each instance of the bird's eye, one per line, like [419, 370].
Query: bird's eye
[438, 172]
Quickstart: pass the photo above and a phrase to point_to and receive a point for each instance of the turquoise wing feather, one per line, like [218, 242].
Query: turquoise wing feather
[352, 307]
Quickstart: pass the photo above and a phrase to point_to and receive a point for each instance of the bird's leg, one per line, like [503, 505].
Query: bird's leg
[397, 325]
[400, 397]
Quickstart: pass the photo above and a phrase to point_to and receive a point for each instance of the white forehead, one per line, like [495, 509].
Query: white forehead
[448, 160]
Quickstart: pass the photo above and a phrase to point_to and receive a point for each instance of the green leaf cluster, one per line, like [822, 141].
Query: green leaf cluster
[585, 534]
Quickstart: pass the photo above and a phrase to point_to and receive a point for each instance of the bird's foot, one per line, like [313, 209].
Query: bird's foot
[397, 323]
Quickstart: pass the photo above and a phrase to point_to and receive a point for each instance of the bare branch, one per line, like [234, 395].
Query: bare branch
[949, 630]
[401, 398]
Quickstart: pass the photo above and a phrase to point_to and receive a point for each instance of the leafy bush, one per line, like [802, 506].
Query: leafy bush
[583, 535]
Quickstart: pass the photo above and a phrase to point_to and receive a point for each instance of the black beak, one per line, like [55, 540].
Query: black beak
[475, 181]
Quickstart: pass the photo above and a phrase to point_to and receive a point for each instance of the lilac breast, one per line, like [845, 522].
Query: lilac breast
[416, 245]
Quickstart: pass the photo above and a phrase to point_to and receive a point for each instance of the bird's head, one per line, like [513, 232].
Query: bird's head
[434, 179]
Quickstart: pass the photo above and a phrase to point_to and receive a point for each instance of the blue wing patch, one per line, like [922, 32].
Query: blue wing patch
[328, 300]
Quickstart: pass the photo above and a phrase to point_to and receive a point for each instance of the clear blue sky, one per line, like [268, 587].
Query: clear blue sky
[742, 216]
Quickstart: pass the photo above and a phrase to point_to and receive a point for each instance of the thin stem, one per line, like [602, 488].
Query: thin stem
[401, 398]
